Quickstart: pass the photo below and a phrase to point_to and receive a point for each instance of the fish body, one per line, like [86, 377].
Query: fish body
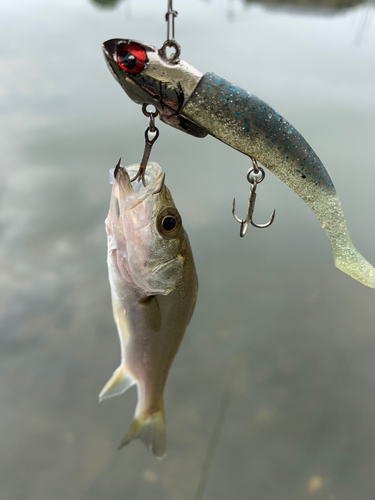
[153, 286]
[202, 104]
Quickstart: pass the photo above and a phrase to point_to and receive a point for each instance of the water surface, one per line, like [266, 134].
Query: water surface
[294, 336]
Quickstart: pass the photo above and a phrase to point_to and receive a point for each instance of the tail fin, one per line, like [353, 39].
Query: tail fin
[120, 382]
[151, 431]
[351, 262]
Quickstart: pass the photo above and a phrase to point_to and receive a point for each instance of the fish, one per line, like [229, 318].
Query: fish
[154, 286]
[201, 104]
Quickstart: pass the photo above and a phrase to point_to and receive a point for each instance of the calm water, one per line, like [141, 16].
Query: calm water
[292, 337]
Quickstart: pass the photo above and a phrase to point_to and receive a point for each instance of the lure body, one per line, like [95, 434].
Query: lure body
[201, 104]
[153, 286]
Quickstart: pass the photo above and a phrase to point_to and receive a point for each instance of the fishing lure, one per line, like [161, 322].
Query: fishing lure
[202, 104]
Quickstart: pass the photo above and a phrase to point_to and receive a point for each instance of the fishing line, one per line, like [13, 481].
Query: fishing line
[217, 431]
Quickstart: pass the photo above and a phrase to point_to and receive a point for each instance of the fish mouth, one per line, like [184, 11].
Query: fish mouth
[133, 191]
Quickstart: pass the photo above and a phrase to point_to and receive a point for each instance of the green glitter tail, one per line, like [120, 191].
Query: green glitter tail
[347, 258]
[351, 262]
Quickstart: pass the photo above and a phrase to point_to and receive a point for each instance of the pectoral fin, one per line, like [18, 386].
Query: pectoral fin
[117, 384]
[151, 312]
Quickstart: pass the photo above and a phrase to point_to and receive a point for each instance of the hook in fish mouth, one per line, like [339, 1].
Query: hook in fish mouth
[161, 185]
[124, 177]
[121, 177]
[117, 168]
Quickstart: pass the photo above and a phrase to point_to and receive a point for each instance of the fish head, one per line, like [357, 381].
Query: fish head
[149, 78]
[146, 239]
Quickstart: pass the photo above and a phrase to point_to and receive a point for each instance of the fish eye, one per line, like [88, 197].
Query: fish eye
[131, 57]
[169, 223]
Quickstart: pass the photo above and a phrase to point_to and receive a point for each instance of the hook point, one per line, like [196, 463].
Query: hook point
[117, 168]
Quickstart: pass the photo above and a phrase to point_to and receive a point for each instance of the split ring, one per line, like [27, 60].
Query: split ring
[173, 58]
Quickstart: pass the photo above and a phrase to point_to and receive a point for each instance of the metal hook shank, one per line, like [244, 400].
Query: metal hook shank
[140, 175]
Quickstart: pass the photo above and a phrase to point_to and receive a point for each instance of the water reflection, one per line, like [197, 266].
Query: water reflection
[107, 3]
[301, 420]
[310, 5]
[302, 5]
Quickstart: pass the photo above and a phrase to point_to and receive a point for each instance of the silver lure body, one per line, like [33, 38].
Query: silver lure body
[199, 104]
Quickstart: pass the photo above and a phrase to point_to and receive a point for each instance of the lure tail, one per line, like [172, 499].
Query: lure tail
[347, 258]
[351, 262]
[150, 430]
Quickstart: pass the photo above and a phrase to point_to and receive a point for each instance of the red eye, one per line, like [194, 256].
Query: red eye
[131, 57]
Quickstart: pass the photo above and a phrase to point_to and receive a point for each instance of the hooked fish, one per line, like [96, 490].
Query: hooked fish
[207, 104]
[154, 287]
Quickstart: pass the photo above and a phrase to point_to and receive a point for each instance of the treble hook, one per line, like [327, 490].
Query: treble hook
[253, 181]
[149, 142]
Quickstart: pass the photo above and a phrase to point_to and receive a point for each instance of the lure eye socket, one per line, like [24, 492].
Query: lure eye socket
[169, 223]
[131, 57]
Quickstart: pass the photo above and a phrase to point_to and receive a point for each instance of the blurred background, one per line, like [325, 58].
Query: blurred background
[280, 353]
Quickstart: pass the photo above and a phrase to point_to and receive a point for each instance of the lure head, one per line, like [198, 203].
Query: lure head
[149, 78]
[146, 240]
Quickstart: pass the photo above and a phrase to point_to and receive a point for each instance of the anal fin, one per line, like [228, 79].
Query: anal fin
[120, 382]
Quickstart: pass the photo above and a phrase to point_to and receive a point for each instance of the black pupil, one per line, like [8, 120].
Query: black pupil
[127, 59]
[169, 223]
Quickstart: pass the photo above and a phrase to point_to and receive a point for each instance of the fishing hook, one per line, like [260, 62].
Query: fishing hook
[161, 185]
[149, 142]
[253, 181]
[117, 168]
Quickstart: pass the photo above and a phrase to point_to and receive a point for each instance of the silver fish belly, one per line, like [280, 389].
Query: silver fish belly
[207, 104]
[153, 286]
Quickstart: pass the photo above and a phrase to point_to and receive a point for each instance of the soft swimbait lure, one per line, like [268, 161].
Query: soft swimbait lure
[206, 104]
